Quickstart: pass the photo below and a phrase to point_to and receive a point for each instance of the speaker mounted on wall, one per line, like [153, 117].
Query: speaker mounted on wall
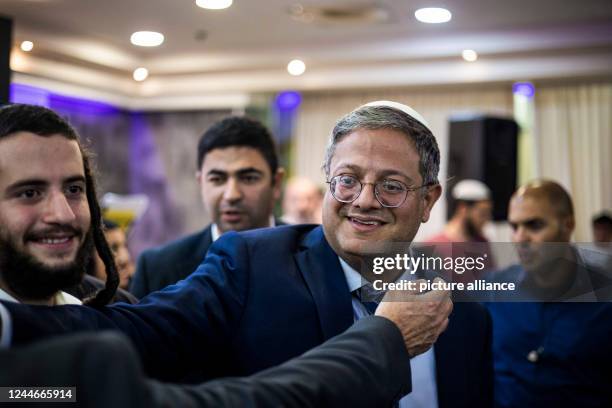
[484, 148]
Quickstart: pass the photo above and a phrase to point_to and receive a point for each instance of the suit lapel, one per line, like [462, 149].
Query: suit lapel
[322, 272]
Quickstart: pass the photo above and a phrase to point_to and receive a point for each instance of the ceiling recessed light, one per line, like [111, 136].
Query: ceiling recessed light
[140, 74]
[214, 4]
[147, 38]
[469, 55]
[296, 67]
[433, 15]
[27, 46]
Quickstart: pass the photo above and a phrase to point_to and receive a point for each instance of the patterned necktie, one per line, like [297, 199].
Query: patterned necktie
[368, 298]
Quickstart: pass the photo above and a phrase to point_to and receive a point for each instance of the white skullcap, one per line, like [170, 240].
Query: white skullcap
[401, 107]
[471, 190]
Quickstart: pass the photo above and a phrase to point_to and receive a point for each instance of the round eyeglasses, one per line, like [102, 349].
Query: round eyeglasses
[389, 193]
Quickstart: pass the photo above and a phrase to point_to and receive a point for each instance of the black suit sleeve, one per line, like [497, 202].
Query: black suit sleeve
[103, 367]
[364, 367]
[367, 366]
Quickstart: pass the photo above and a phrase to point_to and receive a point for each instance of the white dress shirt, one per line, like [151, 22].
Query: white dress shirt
[423, 367]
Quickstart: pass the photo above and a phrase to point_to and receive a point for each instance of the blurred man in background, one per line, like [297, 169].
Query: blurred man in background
[600, 252]
[556, 351]
[302, 201]
[117, 240]
[473, 207]
[240, 181]
[602, 229]
[463, 235]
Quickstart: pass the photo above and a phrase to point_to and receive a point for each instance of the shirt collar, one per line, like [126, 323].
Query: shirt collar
[5, 296]
[214, 230]
[353, 278]
[355, 281]
[61, 298]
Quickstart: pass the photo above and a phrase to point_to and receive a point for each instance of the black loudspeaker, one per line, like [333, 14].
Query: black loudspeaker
[484, 148]
[6, 35]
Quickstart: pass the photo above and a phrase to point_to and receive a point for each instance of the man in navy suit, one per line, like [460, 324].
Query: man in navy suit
[239, 180]
[262, 297]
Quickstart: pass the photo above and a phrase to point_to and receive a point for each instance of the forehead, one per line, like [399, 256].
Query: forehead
[234, 158]
[483, 205]
[527, 207]
[377, 151]
[114, 235]
[25, 155]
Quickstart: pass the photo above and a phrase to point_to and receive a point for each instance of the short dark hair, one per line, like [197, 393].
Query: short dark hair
[109, 225]
[239, 131]
[603, 219]
[44, 122]
[33, 119]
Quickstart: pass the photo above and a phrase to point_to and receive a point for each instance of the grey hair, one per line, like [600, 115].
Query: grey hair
[384, 117]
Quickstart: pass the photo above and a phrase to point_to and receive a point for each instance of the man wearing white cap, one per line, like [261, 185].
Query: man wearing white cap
[463, 234]
[264, 296]
[473, 206]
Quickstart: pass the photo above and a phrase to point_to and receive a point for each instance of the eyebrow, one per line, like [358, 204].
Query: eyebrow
[42, 183]
[527, 222]
[379, 174]
[239, 172]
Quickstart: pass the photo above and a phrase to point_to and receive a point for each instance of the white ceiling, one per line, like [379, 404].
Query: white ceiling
[83, 47]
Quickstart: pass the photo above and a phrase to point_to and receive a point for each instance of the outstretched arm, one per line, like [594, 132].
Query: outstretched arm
[175, 330]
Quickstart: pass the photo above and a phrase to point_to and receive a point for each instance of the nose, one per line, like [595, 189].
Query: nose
[232, 192]
[58, 209]
[367, 198]
[122, 257]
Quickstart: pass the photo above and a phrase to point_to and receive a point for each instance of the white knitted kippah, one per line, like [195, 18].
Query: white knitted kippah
[404, 108]
[471, 190]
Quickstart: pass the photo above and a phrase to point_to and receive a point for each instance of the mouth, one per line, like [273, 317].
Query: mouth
[231, 216]
[55, 242]
[365, 224]
[526, 255]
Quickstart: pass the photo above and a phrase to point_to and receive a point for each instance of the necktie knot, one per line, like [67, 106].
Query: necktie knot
[369, 297]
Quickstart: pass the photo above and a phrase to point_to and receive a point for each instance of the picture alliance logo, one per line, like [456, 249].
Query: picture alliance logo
[458, 265]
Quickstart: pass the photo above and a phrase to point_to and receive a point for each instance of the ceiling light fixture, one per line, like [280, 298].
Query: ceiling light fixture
[296, 67]
[147, 38]
[140, 74]
[27, 46]
[469, 55]
[433, 15]
[214, 4]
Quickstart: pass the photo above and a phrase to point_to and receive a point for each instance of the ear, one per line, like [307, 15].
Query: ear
[277, 182]
[429, 199]
[198, 176]
[568, 224]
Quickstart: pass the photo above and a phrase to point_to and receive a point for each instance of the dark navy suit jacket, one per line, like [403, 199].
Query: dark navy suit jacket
[165, 265]
[260, 298]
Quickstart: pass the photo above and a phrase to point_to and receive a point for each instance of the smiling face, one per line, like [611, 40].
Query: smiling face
[44, 214]
[238, 189]
[372, 156]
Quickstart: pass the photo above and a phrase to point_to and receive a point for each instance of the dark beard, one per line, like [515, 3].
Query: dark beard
[471, 231]
[30, 279]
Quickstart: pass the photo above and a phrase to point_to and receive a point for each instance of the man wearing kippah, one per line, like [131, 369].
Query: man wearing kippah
[264, 296]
